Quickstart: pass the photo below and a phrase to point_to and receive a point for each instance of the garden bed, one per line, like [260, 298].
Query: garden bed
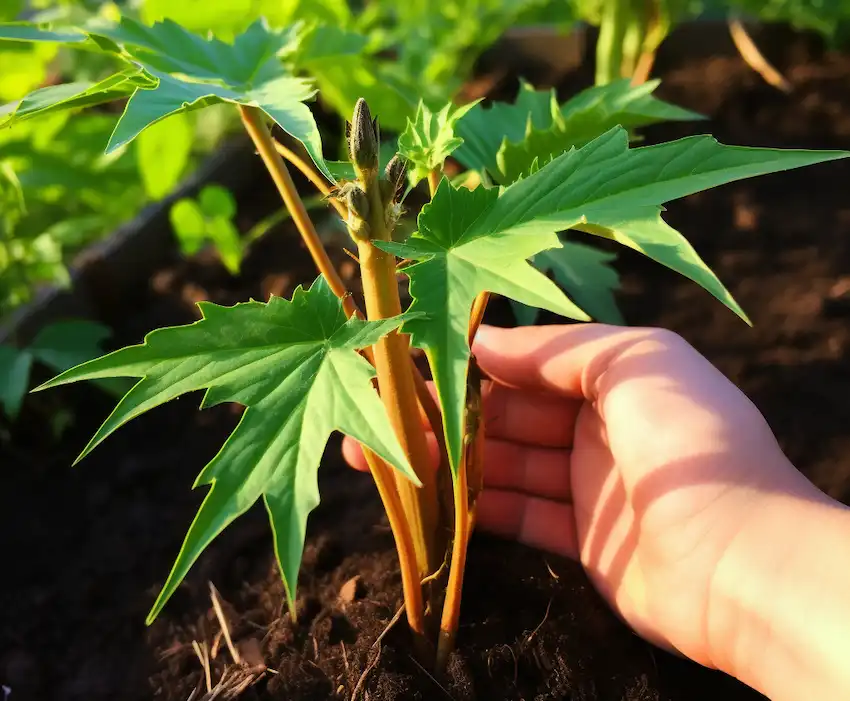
[85, 550]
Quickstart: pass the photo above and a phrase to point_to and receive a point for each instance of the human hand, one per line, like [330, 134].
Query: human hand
[626, 449]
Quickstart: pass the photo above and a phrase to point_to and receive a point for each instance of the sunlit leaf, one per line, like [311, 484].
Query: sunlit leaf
[470, 241]
[68, 96]
[183, 71]
[294, 366]
[507, 139]
[164, 151]
[189, 224]
[27, 31]
[169, 48]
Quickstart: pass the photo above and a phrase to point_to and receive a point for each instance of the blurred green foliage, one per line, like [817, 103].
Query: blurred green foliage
[58, 346]
[208, 219]
[60, 192]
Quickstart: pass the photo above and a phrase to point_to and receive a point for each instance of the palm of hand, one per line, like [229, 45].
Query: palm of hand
[650, 551]
[660, 455]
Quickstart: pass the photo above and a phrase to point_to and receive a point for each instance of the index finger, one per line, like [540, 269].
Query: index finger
[565, 360]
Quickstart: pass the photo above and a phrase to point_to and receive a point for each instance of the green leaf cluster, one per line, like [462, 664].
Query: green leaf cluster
[170, 70]
[472, 241]
[293, 364]
[507, 140]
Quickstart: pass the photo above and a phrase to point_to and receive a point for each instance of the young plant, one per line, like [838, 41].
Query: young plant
[208, 219]
[304, 367]
[631, 31]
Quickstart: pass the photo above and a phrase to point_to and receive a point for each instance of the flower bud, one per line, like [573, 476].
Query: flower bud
[363, 138]
[357, 203]
[395, 174]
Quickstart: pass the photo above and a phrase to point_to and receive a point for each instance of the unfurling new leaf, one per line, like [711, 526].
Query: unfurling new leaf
[430, 138]
[294, 366]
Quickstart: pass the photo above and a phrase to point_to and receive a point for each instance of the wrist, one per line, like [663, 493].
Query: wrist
[779, 617]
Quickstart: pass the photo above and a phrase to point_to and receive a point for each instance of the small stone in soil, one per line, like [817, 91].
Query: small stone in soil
[351, 590]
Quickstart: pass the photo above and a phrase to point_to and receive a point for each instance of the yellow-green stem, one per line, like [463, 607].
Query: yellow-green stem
[397, 385]
[410, 580]
[479, 306]
[255, 126]
[313, 176]
[433, 181]
[468, 484]
[398, 392]
[454, 587]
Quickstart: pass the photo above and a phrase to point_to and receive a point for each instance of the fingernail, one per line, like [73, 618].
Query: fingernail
[485, 335]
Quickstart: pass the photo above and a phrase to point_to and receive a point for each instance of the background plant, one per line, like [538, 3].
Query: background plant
[631, 31]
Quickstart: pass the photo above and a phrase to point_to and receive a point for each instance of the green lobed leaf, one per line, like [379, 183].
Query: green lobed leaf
[469, 241]
[69, 96]
[183, 71]
[484, 129]
[169, 48]
[163, 154]
[29, 31]
[585, 274]
[430, 138]
[506, 139]
[454, 268]
[584, 117]
[294, 366]
[282, 99]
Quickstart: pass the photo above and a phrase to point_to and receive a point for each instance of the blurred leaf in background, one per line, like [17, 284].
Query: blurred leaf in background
[209, 219]
[164, 152]
[59, 346]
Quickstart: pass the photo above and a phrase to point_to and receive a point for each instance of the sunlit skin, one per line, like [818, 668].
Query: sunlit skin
[627, 450]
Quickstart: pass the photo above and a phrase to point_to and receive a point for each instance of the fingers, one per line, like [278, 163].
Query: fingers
[532, 418]
[352, 453]
[541, 472]
[539, 523]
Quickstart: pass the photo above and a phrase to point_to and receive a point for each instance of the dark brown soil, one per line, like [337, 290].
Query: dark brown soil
[84, 550]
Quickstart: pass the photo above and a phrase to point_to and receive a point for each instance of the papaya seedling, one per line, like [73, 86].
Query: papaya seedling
[304, 367]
